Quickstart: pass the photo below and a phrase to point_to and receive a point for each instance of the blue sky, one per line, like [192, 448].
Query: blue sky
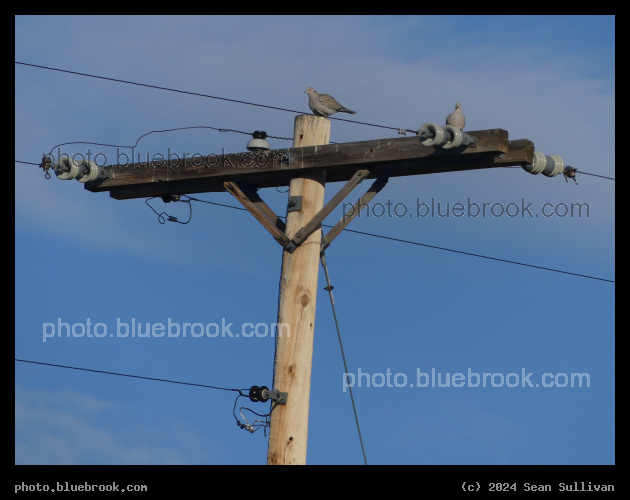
[403, 309]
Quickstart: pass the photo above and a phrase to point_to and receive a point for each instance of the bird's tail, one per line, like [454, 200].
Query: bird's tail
[346, 110]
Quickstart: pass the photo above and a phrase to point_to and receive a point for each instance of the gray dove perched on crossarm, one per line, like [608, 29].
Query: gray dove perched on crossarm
[324, 104]
[457, 118]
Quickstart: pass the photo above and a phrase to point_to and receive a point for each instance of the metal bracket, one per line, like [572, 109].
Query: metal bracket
[45, 165]
[275, 395]
[262, 394]
[569, 173]
[287, 158]
[295, 204]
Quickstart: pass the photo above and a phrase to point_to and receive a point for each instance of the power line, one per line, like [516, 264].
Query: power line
[238, 131]
[479, 255]
[161, 131]
[219, 98]
[154, 86]
[284, 138]
[462, 252]
[391, 238]
[131, 376]
[577, 171]
[596, 175]
[198, 94]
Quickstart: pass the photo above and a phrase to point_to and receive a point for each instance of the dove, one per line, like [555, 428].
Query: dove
[324, 104]
[457, 118]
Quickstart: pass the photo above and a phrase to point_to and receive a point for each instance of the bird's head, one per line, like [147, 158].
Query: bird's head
[309, 90]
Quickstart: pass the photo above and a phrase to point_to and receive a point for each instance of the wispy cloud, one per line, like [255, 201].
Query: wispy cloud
[65, 428]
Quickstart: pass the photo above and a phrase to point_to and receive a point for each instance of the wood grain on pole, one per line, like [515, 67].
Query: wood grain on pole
[288, 432]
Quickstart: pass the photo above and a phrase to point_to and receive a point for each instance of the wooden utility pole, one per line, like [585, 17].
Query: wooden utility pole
[305, 167]
[288, 431]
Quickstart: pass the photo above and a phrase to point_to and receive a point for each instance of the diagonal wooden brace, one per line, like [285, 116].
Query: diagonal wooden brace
[259, 209]
[315, 223]
[378, 184]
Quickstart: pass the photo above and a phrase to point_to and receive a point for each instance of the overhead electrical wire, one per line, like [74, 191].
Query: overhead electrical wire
[161, 131]
[576, 171]
[163, 219]
[391, 238]
[329, 287]
[241, 392]
[284, 138]
[238, 101]
[131, 376]
[198, 94]
[596, 175]
[417, 243]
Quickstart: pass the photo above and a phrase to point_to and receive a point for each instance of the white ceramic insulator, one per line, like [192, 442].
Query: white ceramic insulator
[93, 171]
[538, 165]
[258, 145]
[554, 166]
[436, 131]
[66, 168]
[458, 137]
